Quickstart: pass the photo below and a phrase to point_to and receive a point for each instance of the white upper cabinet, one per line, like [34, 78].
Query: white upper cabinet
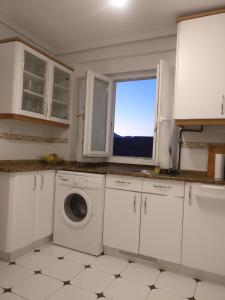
[200, 71]
[33, 85]
[98, 115]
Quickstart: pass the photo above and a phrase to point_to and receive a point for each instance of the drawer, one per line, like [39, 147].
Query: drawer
[124, 183]
[163, 187]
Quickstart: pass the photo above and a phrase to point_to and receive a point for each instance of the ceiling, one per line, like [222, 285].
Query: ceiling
[73, 25]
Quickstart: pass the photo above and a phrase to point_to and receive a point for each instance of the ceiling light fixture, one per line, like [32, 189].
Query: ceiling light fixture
[118, 3]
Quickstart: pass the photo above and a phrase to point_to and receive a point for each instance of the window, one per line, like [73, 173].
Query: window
[134, 121]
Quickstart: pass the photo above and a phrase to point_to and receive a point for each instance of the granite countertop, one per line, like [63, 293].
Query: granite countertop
[107, 168]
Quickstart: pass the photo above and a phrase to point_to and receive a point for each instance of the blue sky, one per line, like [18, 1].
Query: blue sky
[135, 107]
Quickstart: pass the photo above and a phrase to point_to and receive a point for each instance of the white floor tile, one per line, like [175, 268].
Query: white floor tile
[10, 296]
[38, 287]
[55, 250]
[140, 273]
[161, 295]
[176, 284]
[209, 291]
[70, 292]
[109, 264]
[12, 275]
[93, 280]
[122, 289]
[63, 270]
[36, 261]
[81, 258]
[3, 264]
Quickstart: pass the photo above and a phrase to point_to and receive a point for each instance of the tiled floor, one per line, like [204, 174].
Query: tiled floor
[57, 273]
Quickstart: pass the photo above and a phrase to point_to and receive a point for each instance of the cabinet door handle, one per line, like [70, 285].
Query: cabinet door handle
[190, 195]
[35, 182]
[162, 187]
[135, 198]
[42, 181]
[145, 205]
[122, 182]
[222, 105]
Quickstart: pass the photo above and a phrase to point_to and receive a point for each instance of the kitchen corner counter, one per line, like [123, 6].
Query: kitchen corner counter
[13, 166]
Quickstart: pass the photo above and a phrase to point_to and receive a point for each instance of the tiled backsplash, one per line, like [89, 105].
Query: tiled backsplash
[29, 138]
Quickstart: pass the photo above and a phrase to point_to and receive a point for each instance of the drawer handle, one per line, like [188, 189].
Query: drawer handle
[64, 179]
[162, 187]
[122, 182]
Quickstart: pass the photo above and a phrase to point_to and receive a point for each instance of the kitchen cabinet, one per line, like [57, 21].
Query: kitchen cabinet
[148, 223]
[33, 86]
[161, 220]
[23, 211]
[204, 228]
[44, 204]
[122, 213]
[28, 203]
[200, 70]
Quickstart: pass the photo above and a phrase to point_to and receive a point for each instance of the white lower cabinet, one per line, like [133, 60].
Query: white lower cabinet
[161, 227]
[23, 211]
[28, 216]
[122, 219]
[44, 204]
[144, 223]
[204, 228]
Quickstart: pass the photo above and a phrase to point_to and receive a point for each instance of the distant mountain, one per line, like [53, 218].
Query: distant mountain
[134, 146]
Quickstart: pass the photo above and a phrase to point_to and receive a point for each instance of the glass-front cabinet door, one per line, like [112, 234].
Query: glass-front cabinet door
[34, 95]
[61, 92]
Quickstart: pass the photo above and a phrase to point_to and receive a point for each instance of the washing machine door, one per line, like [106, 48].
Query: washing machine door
[76, 208]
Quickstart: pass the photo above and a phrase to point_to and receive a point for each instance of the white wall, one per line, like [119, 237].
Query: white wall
[135, 57]
[11, 149]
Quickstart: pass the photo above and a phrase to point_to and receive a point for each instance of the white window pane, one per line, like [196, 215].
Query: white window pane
[99, 121]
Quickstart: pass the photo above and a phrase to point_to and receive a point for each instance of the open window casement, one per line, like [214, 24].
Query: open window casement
[98, 116]
[166, 128]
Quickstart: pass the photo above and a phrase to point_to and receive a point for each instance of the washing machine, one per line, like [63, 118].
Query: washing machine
[79, 209]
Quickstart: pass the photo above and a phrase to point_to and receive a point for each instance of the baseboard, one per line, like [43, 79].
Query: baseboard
[172, 267]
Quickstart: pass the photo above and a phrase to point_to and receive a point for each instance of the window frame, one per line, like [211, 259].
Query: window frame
[131, 76]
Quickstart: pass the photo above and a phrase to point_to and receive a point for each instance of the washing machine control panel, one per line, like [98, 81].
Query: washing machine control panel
[86, 182]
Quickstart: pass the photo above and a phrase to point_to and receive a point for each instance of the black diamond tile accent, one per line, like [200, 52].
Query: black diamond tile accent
[117, 276]
[12, 263]
[87, 266]
[37, 250]
[100, 295]
[197, 280]
[67, 282]
[102, 253]
[130, 261]
[37, 272]
[153, 287]
[9, 290]
[192, 298]
[60, 258]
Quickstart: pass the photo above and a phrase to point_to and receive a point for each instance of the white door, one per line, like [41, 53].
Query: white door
[34, 85]
[98, 115]
[200, 74]
[122, 220]
[23, 214]
[44, 204]
[161, 227]
[204, 228]
[60, 95]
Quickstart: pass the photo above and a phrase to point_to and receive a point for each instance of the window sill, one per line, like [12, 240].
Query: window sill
[132, 160]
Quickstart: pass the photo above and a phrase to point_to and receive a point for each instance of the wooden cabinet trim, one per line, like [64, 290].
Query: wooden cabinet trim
[32, 120]
[187, 122]
[201, 14]
[18, 39]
